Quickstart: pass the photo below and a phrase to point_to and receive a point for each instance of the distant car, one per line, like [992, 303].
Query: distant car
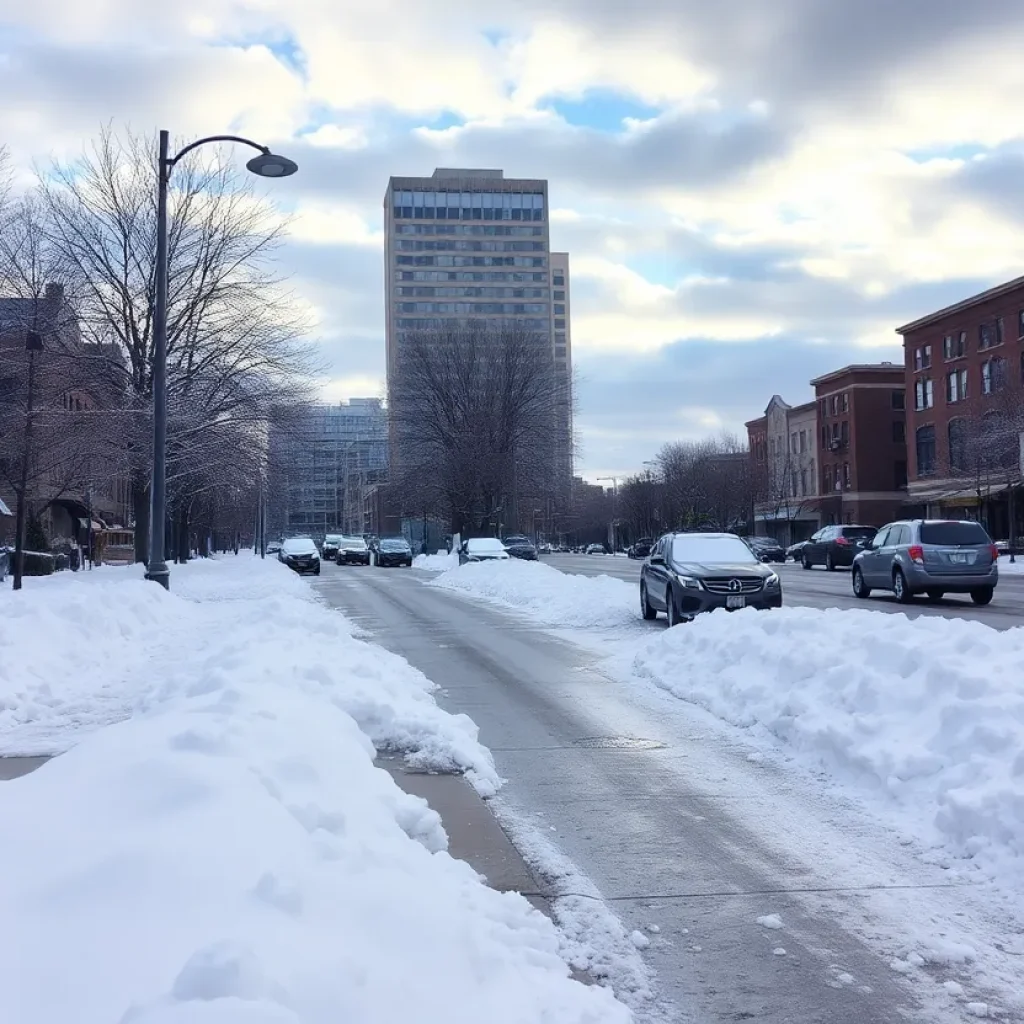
[300, 554]
[393, 551]
[519, 546]
[352, 551]
[596, 549]
[767, 549]
[641, 549]
[273, 547]
[690, 573]
[795, 551]
[482, 549]
[929, 556]
[330, 546]
[835, 546]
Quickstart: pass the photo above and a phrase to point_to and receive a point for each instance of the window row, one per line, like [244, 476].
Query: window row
[991, 334]
[415, 245]
[421, 200]
[835, 435]
[523, 308]
[835, 478]
[835, 404]
[538, 277]
[972, 446]
[993, 376]
[539, 325]
[470, 292]
[471, 261]
[493, 230]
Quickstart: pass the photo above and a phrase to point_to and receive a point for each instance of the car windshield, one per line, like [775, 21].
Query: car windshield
[332, 538]
[299, 546]
[859, 532]
[394, 544]
[954, 533]
[709, 550]
[484, 546]
[352, 543]
[517, 540]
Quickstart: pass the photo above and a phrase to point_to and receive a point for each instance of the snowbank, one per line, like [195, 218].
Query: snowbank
[549, 596]
[1008, 568]
[436, 563]
[930, 711]
[231, 852]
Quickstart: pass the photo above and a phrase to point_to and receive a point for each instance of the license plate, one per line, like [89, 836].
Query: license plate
[962, 558]
[735, 601]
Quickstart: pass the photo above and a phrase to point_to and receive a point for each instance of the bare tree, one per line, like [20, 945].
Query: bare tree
[234, 342]
[475, 412]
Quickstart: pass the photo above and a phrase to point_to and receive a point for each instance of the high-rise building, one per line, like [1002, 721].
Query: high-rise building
[468, 244]
[323, 463]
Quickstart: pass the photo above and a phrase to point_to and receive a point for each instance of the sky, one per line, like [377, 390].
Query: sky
[751, 193]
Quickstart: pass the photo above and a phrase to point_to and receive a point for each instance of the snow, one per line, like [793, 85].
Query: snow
[772, 921]
[546, 595]
[228, 851]
[1008, 568]
[436, 563]
[928, 712]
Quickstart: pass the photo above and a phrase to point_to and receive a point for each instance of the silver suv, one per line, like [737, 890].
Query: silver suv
[928, 556]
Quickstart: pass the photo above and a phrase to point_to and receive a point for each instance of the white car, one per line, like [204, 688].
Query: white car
[482, 549]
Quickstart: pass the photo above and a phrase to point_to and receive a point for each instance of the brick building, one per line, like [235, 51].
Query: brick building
[964, 373]
[861, 424]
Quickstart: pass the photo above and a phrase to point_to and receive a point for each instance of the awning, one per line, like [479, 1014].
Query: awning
[4, 510]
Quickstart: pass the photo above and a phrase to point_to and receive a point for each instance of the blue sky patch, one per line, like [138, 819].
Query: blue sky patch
[603, 110]
[964, 151]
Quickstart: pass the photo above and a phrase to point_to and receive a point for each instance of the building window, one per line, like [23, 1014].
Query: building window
[900, 474]
[558, 280]
[835, 405]
[824, 437]
[990, 334]
[993, 376]
[560, 325]
[899, 431]
[956, 386]
[846, 401]
[827, 484]
[559, 352]
[792, 444]
[1020, 325]
[803, 441]
[923, 357]
[559, 296]
[846, 476]
[844, 433]
[803, 482]
[926, 451]
[957, 433]
[899, 400]
[924, 393]
[954, 346]
[559, 309]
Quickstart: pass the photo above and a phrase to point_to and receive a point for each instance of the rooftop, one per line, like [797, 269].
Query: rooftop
[1017, 284]
[878, 368]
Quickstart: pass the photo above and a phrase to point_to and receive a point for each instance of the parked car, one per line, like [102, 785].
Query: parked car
[273, 547]
[330, 545]
[352, 551]
[596, 549]
[929, 556]
[835, 546]
[796, 551]
[767, 549]
[519, 546]
[300, 554]
[5, 562]
[641, 549]
[690, 573]
[393, 551]
[482, 549]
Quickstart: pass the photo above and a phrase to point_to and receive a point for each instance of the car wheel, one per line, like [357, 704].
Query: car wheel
[805, 561]
[936, 595]
[645, 606]
[670, 609]
[316, 571]
[983, 595]
[899, 587]
[860, 588]
[829, 563]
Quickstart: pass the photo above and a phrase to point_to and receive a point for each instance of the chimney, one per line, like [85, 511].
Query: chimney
[54, 294]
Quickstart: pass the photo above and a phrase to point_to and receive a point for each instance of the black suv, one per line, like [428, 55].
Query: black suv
[519, 546]
[690, 573]
[836, 546]
[641, 548]
[393, 551]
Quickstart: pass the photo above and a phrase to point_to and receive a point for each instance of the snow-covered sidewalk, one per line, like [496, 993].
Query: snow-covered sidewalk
[920, 720]
[215, 843]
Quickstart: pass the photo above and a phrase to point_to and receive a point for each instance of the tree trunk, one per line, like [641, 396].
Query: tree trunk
[140, 500]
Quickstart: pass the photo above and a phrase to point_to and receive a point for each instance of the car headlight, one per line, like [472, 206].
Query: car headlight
[688, 582]
[772, 580]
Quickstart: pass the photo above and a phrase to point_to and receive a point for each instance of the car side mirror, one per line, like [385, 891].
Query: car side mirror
[657, 560]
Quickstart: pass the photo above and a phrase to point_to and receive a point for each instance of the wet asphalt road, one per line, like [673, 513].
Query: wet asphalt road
[818, 588]
[665, 812]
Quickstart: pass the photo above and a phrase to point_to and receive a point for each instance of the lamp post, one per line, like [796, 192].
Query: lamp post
[266, 165]
[33, 344]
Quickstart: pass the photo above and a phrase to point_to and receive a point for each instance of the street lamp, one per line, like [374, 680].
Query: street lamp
[266, 165]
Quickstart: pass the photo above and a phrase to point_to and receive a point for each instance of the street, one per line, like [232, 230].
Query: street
[820, 589]
[663, 809]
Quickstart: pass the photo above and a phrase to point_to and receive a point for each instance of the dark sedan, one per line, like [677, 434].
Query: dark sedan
[836, 546]
[352, 551]
[690, 573]
[519, 546]
[641, 549]
[300, 554]
[767, 549]
[393, 551]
